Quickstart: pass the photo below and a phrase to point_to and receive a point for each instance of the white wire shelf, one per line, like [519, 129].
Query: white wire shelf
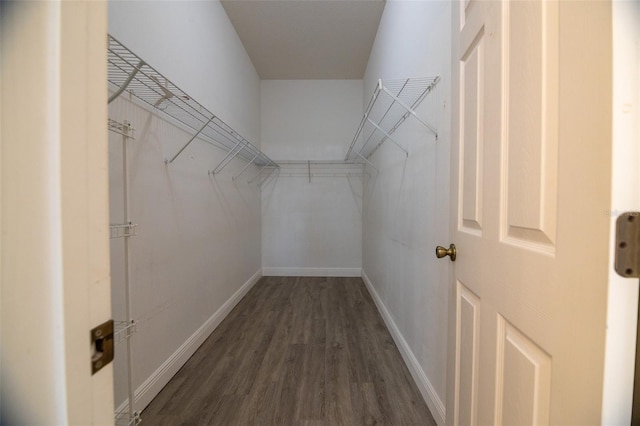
[127, 71]
[310, 169]
[384, 114]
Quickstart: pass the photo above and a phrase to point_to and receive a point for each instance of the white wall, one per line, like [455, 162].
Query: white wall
[198, 240]
[406, 203]
[309, 119]
[311, 228]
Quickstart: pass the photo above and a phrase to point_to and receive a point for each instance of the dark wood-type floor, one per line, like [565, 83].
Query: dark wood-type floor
[295, 351]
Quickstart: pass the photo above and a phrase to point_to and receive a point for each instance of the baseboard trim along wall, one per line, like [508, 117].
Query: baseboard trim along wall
[426, 388]
[311, 272]
[159, 379]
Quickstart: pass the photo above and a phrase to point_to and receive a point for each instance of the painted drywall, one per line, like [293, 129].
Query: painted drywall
[311, 228]
[309, 119]
[198, 238]
[406, 202]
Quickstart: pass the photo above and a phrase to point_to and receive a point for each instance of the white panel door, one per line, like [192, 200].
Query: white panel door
[530, 179]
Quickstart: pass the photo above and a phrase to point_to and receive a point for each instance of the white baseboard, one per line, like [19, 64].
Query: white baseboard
[426, 388]
[311, 272]
[148, 390]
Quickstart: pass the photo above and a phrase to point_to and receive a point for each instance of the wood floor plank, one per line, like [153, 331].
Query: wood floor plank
[310, 400]
[310, 351]
[286, 406]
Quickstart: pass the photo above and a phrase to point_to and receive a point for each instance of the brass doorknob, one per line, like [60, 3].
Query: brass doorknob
[442, 252]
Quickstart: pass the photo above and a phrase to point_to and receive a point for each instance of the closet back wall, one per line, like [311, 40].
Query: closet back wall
[311, 228]
[198, 243]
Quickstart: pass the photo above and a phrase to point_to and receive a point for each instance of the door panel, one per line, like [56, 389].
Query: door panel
[471, 112]
[530, 83]
[467, 332]
[523, 379]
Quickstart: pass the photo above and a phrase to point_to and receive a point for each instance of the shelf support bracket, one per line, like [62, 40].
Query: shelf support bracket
[126, 82]
[190, 140]
[258, 174]
[247, 166]
[123, 128]
[388, 136]
[355, 138]
[410, 111]
[266, 178]
[372, 102]
[227, 159]
[367, 161]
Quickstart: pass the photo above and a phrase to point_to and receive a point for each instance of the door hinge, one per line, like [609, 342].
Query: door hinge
[627, 262]
[101, 346]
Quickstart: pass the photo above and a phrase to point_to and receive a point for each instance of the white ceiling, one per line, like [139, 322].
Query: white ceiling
[306, 39]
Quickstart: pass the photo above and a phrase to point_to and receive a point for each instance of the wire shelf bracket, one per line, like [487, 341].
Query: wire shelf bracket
[128, 72]
[272, 172]
[244, 168]
[124, 85]
[122, 230]
[384, 114]
[257, 175]
[226, 160]
[388, 136]
[123, 330]
[125, 129]
[189, 142]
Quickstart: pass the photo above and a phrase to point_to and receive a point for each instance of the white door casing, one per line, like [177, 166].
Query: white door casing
[530, 174]
[622, 299]
[55, 236]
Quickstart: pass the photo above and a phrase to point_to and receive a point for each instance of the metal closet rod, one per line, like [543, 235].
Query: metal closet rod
[410, 92]
[129, 72]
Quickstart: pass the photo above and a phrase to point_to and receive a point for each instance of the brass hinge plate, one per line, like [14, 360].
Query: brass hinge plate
[627, 261]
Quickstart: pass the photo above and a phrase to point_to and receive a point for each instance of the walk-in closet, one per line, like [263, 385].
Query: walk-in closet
[312, 212]
[221, 180]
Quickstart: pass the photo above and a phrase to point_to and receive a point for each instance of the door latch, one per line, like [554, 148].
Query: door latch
[627, 262]
[101, 346]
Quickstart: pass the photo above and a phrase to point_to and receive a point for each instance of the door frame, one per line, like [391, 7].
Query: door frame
[622, 306]
[54, 221]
